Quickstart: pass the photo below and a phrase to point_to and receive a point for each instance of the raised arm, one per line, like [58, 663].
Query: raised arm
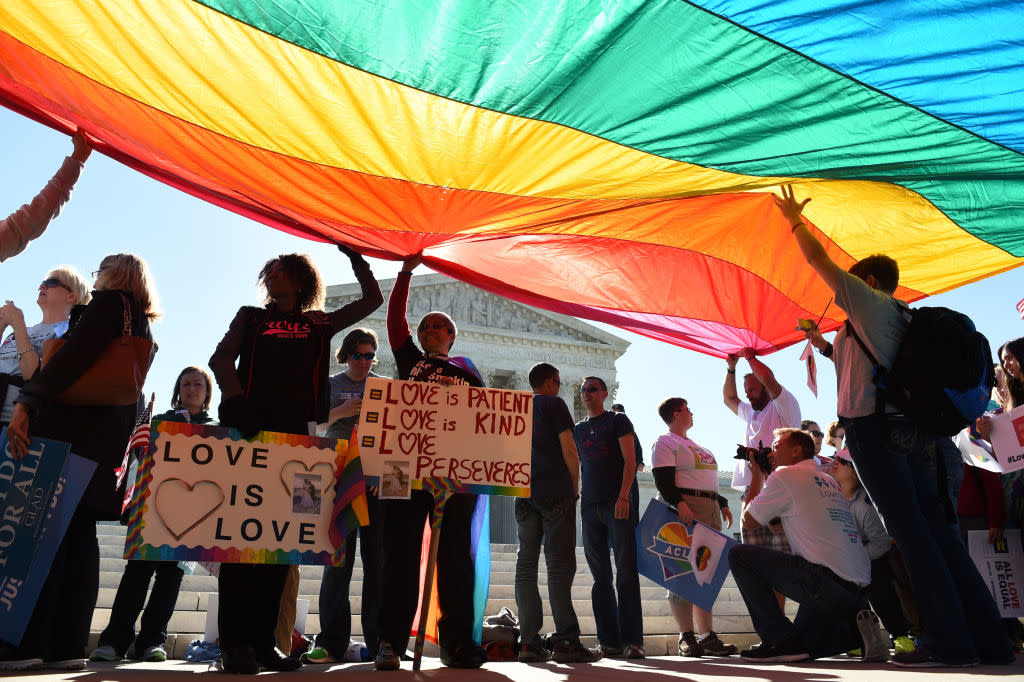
[729, 394]
[32, 219]
[398, 325]
[28, 357]
[814, 253]
[371, 299]
[763, 373]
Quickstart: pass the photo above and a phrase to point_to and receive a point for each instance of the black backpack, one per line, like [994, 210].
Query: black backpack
[942, 377]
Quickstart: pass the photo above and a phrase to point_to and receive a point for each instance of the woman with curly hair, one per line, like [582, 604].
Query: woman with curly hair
[279, 384]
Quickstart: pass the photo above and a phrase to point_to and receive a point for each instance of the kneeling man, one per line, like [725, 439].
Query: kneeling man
[827, 573]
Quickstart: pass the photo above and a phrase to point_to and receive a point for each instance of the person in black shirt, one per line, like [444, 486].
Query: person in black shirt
[280, 384]
[403, 520]
[605, 443]
[548, 517]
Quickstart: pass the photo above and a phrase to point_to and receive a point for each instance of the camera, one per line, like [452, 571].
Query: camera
[760, 455]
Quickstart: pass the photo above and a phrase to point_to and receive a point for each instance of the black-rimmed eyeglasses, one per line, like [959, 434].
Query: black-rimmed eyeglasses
[363, 356]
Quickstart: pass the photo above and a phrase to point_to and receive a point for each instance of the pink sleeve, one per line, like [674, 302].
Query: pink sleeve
[29, 221]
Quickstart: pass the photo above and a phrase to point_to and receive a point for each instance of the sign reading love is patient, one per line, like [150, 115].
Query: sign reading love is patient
[476, 438]
[202, 495]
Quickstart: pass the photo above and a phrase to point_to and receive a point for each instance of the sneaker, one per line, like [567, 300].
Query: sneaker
[154, 654]
[689, 646]
[611, 651]
[104, 653]
[386, 659]
[904, 645]
[876, 646]
[573, 651]
[464, 655]
[17, 664]
[635, 652]
[65, 664]
[774, 653]
[923, 658]
[713, 646]
[533, 654]
[317, 656]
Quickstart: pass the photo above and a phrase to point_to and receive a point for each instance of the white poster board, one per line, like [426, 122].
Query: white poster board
[1001, 566]
[202, 494]
[1008, 439]
[476, 439]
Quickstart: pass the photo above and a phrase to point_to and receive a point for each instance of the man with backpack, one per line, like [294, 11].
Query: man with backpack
[910, 472]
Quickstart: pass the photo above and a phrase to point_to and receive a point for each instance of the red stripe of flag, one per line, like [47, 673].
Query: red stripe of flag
[1020, 308]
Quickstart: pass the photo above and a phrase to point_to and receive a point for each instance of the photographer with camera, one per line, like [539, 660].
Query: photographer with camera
[769, 406]
[828, 572]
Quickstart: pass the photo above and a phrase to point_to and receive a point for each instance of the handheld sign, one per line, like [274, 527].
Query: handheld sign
[1005, 453]
[479, 437]
[1001, 565]
[690, 561]
[18, 596]
[202, 494]
[26, 487]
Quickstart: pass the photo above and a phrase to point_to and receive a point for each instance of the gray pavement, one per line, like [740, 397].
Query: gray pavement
[652, 669]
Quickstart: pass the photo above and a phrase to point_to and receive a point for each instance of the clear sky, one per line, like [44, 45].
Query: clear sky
[205, 262]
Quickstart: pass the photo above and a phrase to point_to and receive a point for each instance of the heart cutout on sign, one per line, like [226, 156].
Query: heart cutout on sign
[192, 503]
[294, 466]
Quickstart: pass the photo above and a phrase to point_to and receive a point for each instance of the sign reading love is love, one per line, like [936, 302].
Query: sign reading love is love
[476, 438]
[202, 494]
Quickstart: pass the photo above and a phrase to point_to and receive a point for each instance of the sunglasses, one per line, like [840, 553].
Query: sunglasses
[841, 462]
[96, 273]
[589, 389]
[363, 356]
[816, 434]
[52, 283]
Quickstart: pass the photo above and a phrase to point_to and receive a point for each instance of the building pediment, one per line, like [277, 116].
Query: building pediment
[475, 310]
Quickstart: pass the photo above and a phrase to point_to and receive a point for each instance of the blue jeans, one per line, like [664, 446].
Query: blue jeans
[619, 623]
[335, 609]
[553, 524]
[825, 623]
[131, 595]
[897, 463]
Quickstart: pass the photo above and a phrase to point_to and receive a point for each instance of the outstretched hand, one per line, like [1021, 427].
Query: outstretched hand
[412, 262]
[790, 207]
[82, 148]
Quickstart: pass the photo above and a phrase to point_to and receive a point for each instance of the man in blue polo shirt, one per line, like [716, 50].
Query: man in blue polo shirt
[548, 516]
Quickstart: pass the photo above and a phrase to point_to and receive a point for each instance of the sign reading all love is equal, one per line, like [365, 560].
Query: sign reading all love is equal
[480, 437]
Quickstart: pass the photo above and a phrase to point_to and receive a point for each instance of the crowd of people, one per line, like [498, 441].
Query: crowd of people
[865, 527]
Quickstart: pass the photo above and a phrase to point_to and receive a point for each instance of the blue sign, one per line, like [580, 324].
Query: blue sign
[26, 486]
[690, 561]
[18, 596]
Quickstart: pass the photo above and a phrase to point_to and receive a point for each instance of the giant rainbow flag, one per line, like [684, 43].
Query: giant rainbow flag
[610, 160]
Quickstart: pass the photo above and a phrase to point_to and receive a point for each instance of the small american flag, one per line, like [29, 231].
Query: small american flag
[1020, 308]
[139, 439]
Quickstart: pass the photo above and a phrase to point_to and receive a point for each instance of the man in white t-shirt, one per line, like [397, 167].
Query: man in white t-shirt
[769, 406]
[827, 574]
